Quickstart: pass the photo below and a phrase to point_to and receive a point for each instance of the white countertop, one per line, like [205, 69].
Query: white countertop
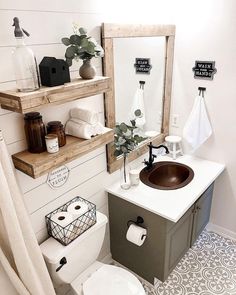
[172, 204]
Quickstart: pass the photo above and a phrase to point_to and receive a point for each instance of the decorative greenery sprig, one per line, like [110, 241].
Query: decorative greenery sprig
[125, 140]
[81, 46]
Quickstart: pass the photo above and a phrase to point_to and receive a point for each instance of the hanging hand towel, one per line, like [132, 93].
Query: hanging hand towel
[197, 128]
[88, 116]
[138, 104]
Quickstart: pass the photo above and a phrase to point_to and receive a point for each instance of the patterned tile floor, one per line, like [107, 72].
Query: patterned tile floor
[208, 268]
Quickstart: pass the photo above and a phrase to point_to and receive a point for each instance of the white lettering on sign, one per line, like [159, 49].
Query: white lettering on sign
[58, 177]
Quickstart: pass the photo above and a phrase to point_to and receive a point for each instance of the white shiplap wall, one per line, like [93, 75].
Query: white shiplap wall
[48, 22]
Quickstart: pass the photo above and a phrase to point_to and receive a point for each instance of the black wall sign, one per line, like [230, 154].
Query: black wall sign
[204, 70]
[142, 65]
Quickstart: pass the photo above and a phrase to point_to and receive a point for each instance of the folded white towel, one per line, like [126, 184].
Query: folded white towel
[79, 130]
[197, 128]
[97, 128]
[138, 104]
[88, 116]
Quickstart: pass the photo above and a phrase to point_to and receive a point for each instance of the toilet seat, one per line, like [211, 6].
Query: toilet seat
[112, 280]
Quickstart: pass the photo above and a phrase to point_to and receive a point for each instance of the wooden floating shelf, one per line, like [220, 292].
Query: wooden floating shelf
[36, 165]
[23, 102]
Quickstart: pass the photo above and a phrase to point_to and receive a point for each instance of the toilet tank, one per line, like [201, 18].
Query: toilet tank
[80, 253]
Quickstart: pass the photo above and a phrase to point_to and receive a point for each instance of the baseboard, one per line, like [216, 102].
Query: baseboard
[221, 231]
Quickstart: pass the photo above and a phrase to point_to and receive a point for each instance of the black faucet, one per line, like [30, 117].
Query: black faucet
[151, 156]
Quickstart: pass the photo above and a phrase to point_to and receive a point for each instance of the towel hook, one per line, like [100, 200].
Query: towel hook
[141, 84]
[201, 90]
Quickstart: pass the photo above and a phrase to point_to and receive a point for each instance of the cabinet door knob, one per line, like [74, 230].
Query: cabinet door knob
[198, 208]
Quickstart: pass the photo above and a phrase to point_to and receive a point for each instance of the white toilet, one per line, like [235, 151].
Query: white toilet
[82, 272]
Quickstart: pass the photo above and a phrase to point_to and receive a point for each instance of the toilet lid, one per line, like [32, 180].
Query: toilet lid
[112, 280]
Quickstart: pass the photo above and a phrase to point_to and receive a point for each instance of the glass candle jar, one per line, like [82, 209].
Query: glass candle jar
[56, 127]
[35, 132]
[52, 143]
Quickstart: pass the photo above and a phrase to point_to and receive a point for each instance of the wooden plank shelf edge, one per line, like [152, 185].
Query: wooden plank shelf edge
[36, 165]
[23, 102]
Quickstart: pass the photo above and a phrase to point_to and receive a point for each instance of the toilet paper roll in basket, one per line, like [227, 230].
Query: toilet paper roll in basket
[136, 234]
[77, 209]
[62, 218]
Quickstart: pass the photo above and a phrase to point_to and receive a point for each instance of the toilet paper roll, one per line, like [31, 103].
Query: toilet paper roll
[77, 209]
[136, 234]
[62, 218]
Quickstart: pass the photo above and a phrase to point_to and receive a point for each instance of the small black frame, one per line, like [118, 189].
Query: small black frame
[142, 65]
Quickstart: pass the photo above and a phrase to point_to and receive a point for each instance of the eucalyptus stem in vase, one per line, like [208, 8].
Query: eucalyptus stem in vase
[125, 141]
[81, 46]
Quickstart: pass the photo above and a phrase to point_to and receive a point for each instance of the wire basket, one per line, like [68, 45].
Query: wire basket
[65, 235]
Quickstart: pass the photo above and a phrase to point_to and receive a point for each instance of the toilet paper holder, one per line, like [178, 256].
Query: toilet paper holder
[139, 221]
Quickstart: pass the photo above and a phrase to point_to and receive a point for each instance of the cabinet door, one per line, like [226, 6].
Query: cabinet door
[202, 213]
[178, 241]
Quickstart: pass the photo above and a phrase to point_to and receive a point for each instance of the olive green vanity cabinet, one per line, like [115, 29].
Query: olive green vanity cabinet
[201, 213]
[166, 241]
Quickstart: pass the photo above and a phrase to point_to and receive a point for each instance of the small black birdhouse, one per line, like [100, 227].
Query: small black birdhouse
[53, 72]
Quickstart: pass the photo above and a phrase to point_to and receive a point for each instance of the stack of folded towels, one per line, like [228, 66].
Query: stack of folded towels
[83, 123]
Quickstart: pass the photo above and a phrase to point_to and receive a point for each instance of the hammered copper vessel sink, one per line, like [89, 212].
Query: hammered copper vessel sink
[167, 175]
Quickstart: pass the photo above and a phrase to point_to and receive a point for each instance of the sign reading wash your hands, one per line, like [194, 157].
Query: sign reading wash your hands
[204, 70]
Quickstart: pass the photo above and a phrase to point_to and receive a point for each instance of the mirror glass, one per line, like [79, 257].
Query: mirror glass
[129, 93]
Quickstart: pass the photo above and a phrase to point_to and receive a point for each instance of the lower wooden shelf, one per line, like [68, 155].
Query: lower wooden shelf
[36, 165]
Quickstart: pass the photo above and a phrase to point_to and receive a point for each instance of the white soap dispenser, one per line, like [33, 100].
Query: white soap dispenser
[25, 65]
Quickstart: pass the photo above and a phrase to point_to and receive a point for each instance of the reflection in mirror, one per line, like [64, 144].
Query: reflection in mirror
[123, 44]
[129, 93]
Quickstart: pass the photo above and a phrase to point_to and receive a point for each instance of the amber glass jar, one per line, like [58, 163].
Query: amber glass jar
[56, 127]
[35, 132]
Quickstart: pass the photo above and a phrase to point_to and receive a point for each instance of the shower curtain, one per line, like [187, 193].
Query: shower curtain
[20, 254]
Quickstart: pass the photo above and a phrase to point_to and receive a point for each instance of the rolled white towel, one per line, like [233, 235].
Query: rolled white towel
[88, 116]
[97, 128]
[79, 130]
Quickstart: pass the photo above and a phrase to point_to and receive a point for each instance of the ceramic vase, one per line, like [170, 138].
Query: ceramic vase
[87, 70]
[124, 173]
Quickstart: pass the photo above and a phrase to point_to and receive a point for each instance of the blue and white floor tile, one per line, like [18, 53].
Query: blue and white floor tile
[208, 268]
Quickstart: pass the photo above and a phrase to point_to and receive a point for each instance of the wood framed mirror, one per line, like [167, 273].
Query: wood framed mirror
[110, 34]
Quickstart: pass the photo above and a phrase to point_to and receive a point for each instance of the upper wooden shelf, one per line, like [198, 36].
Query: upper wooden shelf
[23, 102]
[36, 165]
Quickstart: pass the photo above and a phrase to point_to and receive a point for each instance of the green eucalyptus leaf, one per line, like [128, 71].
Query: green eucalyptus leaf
[121, 140]
[70, 52]
[69, 61]
[66, 41]
[123, 127]
[138, 113]
[82, 31]
[117, 153]
[84, 43]
[117, 131]
[124, 149]
[90, 48]
[75, 39]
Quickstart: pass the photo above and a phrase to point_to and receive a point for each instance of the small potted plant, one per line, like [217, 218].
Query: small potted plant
[125, 141]
[81, 46]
